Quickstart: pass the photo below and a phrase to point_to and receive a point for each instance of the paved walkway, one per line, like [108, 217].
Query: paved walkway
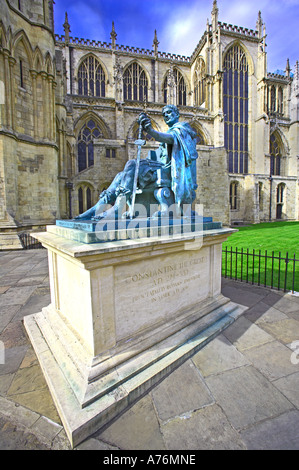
[240, 392]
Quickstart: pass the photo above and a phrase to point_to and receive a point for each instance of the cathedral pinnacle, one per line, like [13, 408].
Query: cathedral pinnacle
[288, 68]
[113, 36]
[259, 24]
[67, 28]
[155, 43]
[215, 12]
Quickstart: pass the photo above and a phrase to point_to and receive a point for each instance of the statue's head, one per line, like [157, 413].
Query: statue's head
[171, 114]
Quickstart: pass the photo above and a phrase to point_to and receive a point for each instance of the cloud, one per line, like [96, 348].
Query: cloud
[180, 25]
[183, 28]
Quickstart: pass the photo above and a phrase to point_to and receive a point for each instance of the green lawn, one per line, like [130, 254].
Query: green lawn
[253, 255]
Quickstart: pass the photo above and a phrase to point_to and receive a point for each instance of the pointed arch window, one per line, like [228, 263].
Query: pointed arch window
[181, 88]
[91, 78]
[200, 139]
[84, 198]
[200, 83]
[235, 107]
[135, 83]
[86, 135]
[175, 80]
[275, 155]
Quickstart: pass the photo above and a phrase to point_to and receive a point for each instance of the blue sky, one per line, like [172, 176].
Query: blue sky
[181, 23]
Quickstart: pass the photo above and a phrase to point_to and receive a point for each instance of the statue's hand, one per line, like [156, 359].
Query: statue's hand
[145, 121]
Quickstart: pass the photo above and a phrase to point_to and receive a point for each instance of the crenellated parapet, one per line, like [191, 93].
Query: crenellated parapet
[75, 41]
[229, 28]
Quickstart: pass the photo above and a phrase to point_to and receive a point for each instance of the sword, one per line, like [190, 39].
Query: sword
[139, 142]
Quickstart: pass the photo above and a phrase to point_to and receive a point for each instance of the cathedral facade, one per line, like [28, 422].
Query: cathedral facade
[69, 110]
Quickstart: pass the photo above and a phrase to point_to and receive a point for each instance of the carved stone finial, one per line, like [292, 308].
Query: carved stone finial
[288, 68]
[113, 36]
[259, 25]
[156, 43]
[215, 13]
[67, 28]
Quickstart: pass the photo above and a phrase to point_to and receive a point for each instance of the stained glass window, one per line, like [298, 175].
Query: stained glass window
[91, 78]
[235, 108]
[88, 132]
[135, 83]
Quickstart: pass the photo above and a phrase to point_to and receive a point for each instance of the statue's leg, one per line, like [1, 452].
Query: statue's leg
[122, 192]
[115, 211]
[87, 215]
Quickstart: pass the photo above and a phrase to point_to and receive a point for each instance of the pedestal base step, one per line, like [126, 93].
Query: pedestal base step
[81, 422]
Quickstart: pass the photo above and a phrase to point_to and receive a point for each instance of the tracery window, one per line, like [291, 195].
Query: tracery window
[91, 78]
[89, 131]
[177, 81]
[200, 83]
[135, 83]
[235, 107]
[275, 155]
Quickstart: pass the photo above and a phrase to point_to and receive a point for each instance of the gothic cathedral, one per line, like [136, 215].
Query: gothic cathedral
[69, 109]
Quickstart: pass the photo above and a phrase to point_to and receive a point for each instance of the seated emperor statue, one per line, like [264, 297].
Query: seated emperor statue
[173, 166]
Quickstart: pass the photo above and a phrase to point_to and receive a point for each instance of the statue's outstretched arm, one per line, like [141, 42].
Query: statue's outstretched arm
[159, 136]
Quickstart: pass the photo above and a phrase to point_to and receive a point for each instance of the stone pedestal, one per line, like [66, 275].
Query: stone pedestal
[123, 315]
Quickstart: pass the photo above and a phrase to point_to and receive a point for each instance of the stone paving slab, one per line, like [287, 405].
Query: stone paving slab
[14, 437]
[218, 356]
[272, 360]
[262, 312]
[285, 331]
[136, 429]
[245, 335]
[239, 392]
[246, 396]
[205, 429]
[289, 386]
[171, 399]
[280, 433]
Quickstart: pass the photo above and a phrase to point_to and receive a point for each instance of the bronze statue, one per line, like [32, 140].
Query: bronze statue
[169, 173]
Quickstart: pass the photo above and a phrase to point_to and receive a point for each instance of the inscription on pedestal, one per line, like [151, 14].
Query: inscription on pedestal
[152, 291]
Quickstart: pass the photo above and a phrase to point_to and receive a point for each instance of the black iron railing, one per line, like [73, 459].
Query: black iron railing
[264, 269]
[28, 242]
